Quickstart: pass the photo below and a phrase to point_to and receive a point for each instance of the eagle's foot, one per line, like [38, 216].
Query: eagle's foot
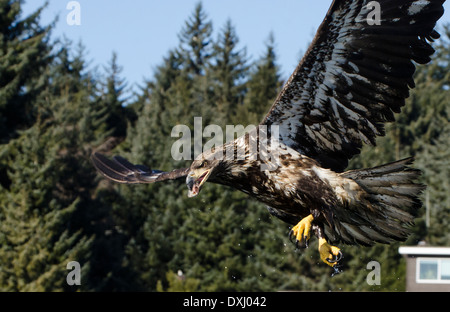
[302, 232]
[328, 253]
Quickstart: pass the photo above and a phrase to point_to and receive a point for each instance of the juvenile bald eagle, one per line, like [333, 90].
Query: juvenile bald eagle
[354, 76]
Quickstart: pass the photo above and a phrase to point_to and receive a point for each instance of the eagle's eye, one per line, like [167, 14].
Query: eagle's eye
[203, 164]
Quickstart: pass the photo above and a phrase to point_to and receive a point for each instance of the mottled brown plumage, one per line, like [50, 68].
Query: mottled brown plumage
[352, 79]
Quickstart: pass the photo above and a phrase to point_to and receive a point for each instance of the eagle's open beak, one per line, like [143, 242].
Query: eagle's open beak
[195, 183]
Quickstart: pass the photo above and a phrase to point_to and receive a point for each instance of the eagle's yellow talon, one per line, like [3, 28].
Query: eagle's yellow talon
[327, 252]
[302, 231]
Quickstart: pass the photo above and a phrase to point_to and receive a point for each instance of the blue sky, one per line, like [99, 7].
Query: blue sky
[142, 31]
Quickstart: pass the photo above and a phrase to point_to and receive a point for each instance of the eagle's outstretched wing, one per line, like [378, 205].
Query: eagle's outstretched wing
[355, 74]
[121, 170]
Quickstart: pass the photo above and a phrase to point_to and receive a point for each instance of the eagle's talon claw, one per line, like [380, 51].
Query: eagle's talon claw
[305, 241]
[301, 232]
[339, 256]
[302, 243]
[292, 237]
[328, 252]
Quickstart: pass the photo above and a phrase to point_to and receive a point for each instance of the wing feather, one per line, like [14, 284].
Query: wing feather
[122, 171]
[353, 78]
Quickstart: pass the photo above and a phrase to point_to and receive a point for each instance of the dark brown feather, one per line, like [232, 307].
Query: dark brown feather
[353, 78]
[122, 171]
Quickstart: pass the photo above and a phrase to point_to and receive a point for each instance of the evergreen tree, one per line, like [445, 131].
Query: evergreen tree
[263, 86]
[113, 101]
[196, 49]
[49, 214]
[24, 54]
[37, 240]
[195, 41]
[92, 119]
[228, 73]
[435, 158]
[433, 126]
[145, 214]
[49, 188]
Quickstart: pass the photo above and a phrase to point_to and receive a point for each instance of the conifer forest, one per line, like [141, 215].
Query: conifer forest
[55, 208]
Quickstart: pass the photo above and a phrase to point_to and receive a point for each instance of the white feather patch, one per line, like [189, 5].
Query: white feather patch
[417, 6]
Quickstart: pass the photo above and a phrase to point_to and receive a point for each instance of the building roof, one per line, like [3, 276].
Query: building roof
[422, 250]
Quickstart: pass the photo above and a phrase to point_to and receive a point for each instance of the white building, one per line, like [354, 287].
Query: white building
[427, 268]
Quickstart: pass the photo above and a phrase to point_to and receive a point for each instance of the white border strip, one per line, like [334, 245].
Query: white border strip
[431, 251]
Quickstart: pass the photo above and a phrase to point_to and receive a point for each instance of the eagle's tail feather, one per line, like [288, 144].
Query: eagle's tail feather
[391, 204]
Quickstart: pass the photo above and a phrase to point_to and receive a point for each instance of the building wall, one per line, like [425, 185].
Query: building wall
[412, 285]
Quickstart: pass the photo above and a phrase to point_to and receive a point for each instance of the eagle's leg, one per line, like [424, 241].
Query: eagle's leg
[327, 252]
[302, 231]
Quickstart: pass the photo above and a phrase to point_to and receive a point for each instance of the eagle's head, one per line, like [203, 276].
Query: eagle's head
[208, 165]
[199, 173]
